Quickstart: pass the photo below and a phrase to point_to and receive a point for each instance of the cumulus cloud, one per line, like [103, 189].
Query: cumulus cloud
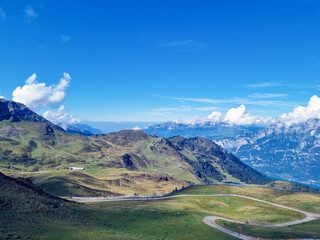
[60, 115]
[302, 114]
[215, 116]
[36, 95]
[234, 115]
[239, 116]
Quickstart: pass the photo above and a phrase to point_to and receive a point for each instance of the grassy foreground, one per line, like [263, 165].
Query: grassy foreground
[308, 230]
[179, 218]
[165, 219]
[305, 201]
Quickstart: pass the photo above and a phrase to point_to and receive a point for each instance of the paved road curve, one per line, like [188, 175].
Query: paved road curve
[211, 219]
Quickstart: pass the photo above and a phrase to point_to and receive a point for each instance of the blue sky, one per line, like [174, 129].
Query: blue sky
[162, 60]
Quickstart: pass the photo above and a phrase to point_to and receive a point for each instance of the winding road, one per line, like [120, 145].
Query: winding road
[210, 220]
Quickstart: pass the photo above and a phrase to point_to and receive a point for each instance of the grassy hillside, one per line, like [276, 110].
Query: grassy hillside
[308, 230]
[127, 162]
[29, 213]
[302, 200]
[305, 201]
[103, 182]
[21, 194]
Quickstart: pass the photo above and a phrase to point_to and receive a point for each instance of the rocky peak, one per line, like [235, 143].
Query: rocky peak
[15, 112]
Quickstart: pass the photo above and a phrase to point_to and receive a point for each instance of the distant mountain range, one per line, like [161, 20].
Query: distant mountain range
[207, 129]
[83, 129]
[89, 128]
[285, 152]
[291, 153]
[31, 143]
[108, 127]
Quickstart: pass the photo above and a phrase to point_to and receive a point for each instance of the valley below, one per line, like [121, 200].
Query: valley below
[133, 185]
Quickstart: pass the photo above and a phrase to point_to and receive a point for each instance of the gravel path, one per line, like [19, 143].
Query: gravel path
[210, 220]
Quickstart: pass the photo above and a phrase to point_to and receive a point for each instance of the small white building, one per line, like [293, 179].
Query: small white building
[76, 168]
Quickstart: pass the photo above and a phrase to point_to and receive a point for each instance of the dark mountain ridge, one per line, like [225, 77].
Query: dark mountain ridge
[15, 112]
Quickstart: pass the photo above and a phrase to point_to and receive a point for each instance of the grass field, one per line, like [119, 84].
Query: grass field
[100, 182]
[305, 201]
[30, 214]
[310, 230]
[167, 219]
[179, 218]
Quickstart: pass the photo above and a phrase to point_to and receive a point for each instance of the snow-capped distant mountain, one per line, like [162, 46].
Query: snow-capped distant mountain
[83, 129]
[208, 129]
[287, 152]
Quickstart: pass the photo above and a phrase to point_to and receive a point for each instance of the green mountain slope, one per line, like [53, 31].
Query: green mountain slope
[21, 194]
[125, 162]
[214, 163]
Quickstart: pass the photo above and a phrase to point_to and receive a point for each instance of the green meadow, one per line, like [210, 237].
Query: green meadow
[178, 218]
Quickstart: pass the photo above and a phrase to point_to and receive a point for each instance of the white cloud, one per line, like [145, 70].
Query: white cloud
[236, 114]
[2, 14]
[65, 38]
[215, 116]
[1, 97]
[239, 101]
[268, 95]
[60, 115]
[36, 95]
[265, 84]
[240, 116]
[302, 114]
[136, 128]
[30, 13]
